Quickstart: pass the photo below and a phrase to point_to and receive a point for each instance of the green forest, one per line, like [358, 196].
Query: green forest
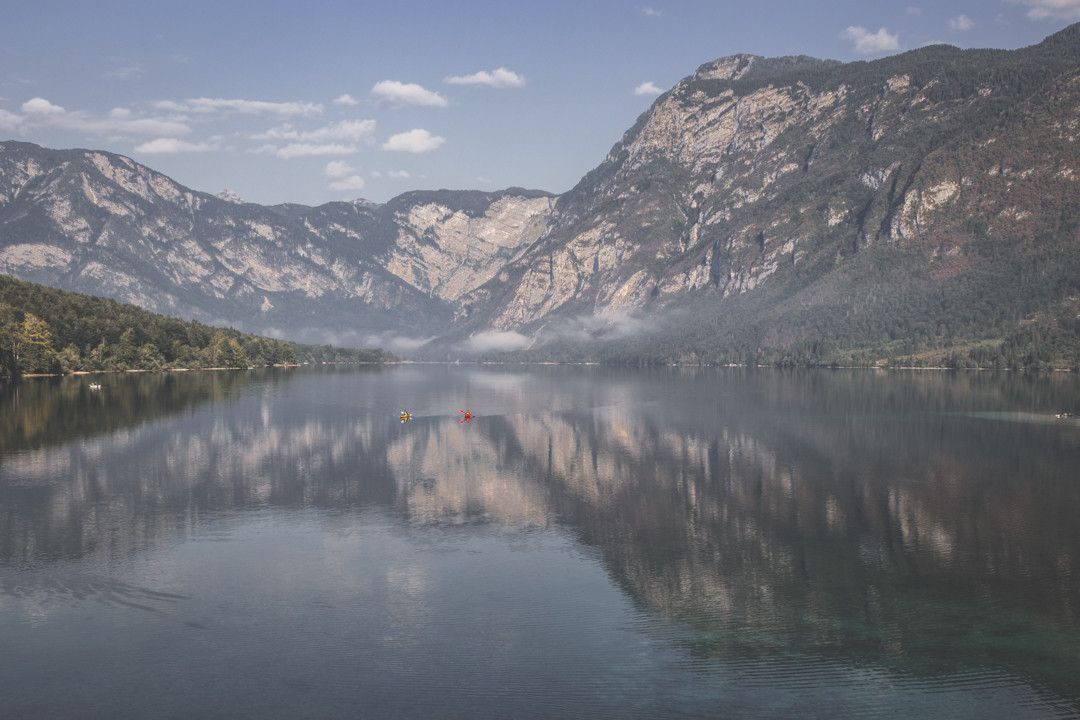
[48, 331]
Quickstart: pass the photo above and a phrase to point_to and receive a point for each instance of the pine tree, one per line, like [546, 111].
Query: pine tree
[8, 340]
[70, 359]
[98, 358]
[125, 352]
[150, 358]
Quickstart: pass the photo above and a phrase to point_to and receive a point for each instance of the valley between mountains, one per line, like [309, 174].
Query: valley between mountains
[918, 209]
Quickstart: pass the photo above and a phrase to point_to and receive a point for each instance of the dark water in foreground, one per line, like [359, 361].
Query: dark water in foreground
[596, 543]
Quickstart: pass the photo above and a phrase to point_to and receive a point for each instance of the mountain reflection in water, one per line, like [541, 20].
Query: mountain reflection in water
[910, 525]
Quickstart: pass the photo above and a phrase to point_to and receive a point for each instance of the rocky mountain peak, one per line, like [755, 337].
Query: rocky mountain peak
[731, 67]
[764, 201]
[777, 177]
[101, 223]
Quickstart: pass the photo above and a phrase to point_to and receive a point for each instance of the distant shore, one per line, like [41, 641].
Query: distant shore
[75, 373]
[875, 368]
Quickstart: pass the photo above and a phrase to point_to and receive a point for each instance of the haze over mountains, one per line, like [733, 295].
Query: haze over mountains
[778, 208]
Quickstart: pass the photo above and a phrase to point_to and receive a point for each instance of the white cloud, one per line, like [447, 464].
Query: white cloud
[9, 120]
[1051, 9]
[651, 12]
[338, 169]
[137, 126]
[871, 43]
[399, 174]
[394, 342]
[500, 78]
[172, 146]
[351, 131]
[648, 88]
[295, 150]
[608, 326]
[41, 106]
[169, 106]
[399, 93]
[961, 23]
[914, 10]
[352, 182]
[247, 107]
[497, 341]
[119, 121]
[346, 99]
[415, 141]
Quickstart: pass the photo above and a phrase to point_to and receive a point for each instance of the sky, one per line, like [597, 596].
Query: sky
[319, 101]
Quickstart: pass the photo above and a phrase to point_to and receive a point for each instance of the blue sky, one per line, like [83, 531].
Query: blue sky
[443, 94]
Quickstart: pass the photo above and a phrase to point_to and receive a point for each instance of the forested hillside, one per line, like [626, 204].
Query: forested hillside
[920, 209]
[44, 330]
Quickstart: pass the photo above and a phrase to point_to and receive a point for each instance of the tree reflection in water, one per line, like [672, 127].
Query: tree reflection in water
[924, 522]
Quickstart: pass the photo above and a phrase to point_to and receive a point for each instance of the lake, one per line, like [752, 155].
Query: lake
[595, 542]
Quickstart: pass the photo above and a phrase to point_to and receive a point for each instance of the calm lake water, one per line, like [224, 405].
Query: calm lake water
[595, 543]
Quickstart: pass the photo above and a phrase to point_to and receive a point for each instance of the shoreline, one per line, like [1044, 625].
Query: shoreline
[876, 368]
[139, 371]
[541, 363]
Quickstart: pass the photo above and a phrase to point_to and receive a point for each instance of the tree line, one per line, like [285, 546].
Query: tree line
[44, 331]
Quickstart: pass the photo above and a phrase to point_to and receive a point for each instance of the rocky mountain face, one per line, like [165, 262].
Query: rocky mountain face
[782, 198]
[926, 200]
[101, 223]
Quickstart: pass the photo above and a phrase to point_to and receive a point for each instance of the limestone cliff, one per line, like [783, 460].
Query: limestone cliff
[791, 206]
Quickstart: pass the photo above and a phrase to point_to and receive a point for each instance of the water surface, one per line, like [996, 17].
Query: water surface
[595, 543]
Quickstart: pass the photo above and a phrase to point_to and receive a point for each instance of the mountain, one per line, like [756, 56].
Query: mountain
[101, 223]
[799, 208]
[920, 208]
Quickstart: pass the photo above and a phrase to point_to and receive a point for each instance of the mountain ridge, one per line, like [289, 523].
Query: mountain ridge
[888, 217]
[746, 212]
